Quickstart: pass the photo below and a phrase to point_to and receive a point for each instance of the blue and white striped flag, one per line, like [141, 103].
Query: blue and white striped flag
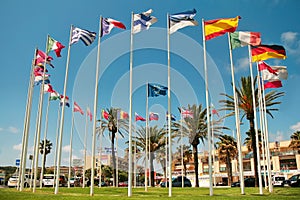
[85, 36]
[143, 21]
[181, 20]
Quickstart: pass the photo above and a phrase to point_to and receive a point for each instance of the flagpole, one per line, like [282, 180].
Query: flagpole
[27, 123]
[71, 146]
[85, 144]
[62, 116]
[39, 123]
[169, 109]
[166, 163]
[213, 148]
[34, 144]
[135, 160]
[266, 135]
[146, 146]
[130, 111]
[117, 159]
[255, 124]
[100, 156]
[207, 114]
[181, 144]
[56, 141]
[95, 109]
[45, 141]
[237, 121]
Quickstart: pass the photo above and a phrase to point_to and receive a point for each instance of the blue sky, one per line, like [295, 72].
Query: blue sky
[25, 25]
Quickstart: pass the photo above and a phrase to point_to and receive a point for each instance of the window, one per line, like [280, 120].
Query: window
[222, 169]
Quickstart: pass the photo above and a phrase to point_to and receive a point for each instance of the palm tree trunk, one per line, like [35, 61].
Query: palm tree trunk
[184, 168]
[44, 164]
[195, 152]
[229, 168]
[253, 146]
[113, 157]
[152, 169]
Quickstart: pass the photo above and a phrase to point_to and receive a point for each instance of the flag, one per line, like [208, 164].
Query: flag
[218, 27]
[39, 79]
[104, 114]
[40, 59]
[272, 84]
[274, 72]
[173, 117]
[55, 46]
[64, 100]
[214, 111]
[77, 108]
[153, 116]
[108, 24]
[241, 39]
[186, 113]
[264, 52]
[48, 88]
[143, 21]
[123, 115]
[155, 90]
[89, 114]
[87, 37]
[54, 96]
[139, 118]
[38, 71]
[181, 20]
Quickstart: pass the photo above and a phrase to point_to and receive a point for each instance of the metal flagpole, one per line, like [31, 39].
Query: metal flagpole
[207, 114]
[62, 116]
[146, 146]
[85, 144]
[213, 148]
[56, 142]
[166, 163]
[266, 135]
[169, 109]
[181, 149]
[130, 112]
[237, 121]
[34, 144]
[135, 160]
[117, 157]
[255, 124]
[39, 123]
[95, 110]
[71, 146]
[45, 142]
[27, 124]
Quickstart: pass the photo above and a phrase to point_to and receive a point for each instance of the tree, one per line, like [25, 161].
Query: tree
[114, 125]
[186, 156]
[156, 142]
[227, 151]
[295, 141]
[245, 105]
[48, 148]
[194, 126]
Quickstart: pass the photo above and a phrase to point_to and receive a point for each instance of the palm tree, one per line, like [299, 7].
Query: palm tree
[48, 148]
[156, 142]
[227, 150]
[186, 155]
[245, 104]
[195, 128]
[295, 141]
[114, 126]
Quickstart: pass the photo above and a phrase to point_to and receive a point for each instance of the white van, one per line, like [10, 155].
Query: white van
[278, 180]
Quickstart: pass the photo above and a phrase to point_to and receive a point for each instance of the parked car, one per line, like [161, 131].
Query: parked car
[123, 184]
[87, 182]
[177, 182]
[49, 180]
[278, 180]
[13, 181]
[293, 181]
[249, 182]
[74, 181]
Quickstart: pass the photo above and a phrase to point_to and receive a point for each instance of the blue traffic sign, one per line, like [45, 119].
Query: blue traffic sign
[17, 162]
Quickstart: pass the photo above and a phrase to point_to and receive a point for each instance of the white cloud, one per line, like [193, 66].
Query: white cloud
[291, 43]
[17, 147]
[241, 64]
[295, 127]
[1, 129]
[12, 129]
[66, 148]
[289, 37]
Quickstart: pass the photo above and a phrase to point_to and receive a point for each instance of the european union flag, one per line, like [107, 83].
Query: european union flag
[155, 90]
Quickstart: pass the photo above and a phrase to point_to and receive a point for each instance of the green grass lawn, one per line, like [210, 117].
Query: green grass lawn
[153, 193]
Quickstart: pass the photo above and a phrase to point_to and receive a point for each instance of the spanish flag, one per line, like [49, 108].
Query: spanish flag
[218, 27]
[264, 52]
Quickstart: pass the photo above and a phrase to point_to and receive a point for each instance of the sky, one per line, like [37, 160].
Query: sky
[26, 24]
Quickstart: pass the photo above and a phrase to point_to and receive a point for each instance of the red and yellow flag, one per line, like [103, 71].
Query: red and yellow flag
[218, 27]
[264, 52]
